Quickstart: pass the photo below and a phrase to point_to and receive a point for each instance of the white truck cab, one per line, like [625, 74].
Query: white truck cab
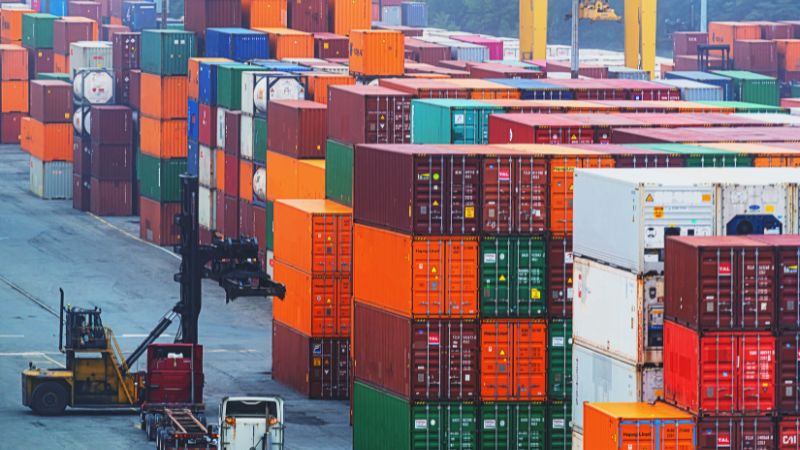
[251, 423]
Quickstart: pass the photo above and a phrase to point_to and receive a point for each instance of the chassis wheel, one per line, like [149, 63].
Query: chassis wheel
[49, 399]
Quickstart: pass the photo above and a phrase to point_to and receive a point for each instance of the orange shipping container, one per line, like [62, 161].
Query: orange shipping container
[11, 25]
[166, 96]
[725, 33]
[637, 426]
[315, 305]
[315, 236]
[485, 89]
[430, 276]
[293, 178]
[60, 63]
[788, 54]
[310, 178]
[318, 83]
[288, 43]
[163, 138]
[265, 13]
[245, 180]
[193, 89]
[46, 141]
[350, 15]
[377, 53]
[14, 62]
[219, 168]
[513, 359]
[14, 96]
[115, 20]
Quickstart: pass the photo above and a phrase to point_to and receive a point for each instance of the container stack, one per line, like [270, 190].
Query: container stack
[66, 31]
[126, 48]
[13, 91]
[112, 187]
[37, 36]
[163, 131]
[47, 136]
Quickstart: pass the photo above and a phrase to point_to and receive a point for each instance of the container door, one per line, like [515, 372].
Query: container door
[756, 276]
[461, 269]
[788, 373]
[530, 183]
[717, 288]
[718, 433]
[496, 427]
[498, 194]
[428, 354]
[462, 360]
[676, 435]
[529, 361]
[496, 360]
[530, 426]
[329, 376]
[559, 277]
[561, 184]
[429, 195]
[444, 426]
[559, 359]
[559, 425]
[464, 202]
[528, 277]
[637, 434]
[788, 433]
[717, 372]
[754, 209]
[428, 258]
[756, 377]
[756, 433]
[496, 261]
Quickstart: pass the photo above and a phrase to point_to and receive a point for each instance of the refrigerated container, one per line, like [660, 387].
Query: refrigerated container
[207, 213]
[90, 55]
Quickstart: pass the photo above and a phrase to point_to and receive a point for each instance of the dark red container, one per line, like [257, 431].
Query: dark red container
[90, 10]
[81, 192]
[170, 374]
[329, 45]
[559, 277]
[705, 135]
[126, 47]
[231, 216]
[231, 175]
[585, 70]
[111, 198]
[419, 189]
[425, 88]
[67, 32]
[495, 70]
[593, 89]
[10, 127]
[736, 433]
[202, 14]
[112, 162]
[107, 31]
[233, 127]
[795, 24]
[246, 224]
[433, 360]
[51, 101]
[260, 225]
[369, 114]
[122, 79]
[112, 124]
[788, 373]
[454, 64]
[318, 368]
[789, 433]
[205, 236]
[719, 373]
[539, 129]
[207, 119]
[115, 8]
[40, 61]
[427, 52]
[759, 56]
[157, 221]
[134, 90]
[686, 42]
[308, 15]
[298, 128]
[787, 294]
[775, 30]
[719, 283]
[81, 156]
[626, 157]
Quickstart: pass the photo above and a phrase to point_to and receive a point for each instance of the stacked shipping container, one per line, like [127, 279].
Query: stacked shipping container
[47, 136]
[13, 91]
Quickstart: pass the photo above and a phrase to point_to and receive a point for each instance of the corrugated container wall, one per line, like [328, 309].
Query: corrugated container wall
[377, 53]
[369, 114]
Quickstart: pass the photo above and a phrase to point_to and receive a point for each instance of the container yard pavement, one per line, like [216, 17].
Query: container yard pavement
[46, 245]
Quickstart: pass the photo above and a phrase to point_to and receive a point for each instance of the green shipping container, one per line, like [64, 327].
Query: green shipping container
[384, 421]
[451, 121]
[339, 172]
[753, 87]
[559, 359]
[559, 425]
[270, 237]
[697, 156]
[54, 76]
[259, 140]
[744, 107]
[167, 52]
[513, 274]
[229, 86]
[177, 26]
[37, 30]
[794, 91]
[160, 178]
[513, 426]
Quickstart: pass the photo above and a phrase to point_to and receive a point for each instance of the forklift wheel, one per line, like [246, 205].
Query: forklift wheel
[150, 426]
[49, 399]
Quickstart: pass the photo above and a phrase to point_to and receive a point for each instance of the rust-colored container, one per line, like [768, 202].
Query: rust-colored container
[559, 277]
[166, 96]
[11, 25]
[112, 124]
[72, 29]
[288, 43]
[418, 359]
[265, 13]
[51, 101]
[207, 118]
[513, 360]
[318, 368]
[112, 162]
[245, 218]
[427, 52]
[46, 141]
[193, 79]
[317, 85]
[81, 192]
[163, 138]
[13, 62]
[314, 236]
[14, 96]
[377, 53]
[135, 96]
[233, 127]
[40, 61]
[245, 182]
[719, 283]
[417, 189]
[315, 305]
[157, 222]
[10, 128]
[726, 33]
[297, 128]
[81, 157]
[111, 197]
[686, 42]
[432, 276]
[348, 15]
[126, 50]
[290, 178]
[329, 45]
[308, 15]
[788, 55]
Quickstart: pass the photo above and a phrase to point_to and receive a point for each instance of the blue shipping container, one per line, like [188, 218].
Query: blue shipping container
[705, 78]
[193, 117]
[58, 8]
[273, 65]
[415, 14]
[193, 158]
[139, 15]
[237, 44]
[207, 82]
[535, 89]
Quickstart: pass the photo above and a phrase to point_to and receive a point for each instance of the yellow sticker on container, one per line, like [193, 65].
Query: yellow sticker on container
[536, 294]
[649, 198]
[706, 197]
[658, 212]
[325, 45]
[502, 278]
[770, 208]
[317, 361]
[469, 212]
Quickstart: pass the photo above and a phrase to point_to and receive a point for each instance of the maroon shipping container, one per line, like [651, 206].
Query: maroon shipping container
[10, 127]
[690, 62]
[425, 88]
[115, 8]
[592, 89]
[260, 225]
[157, 221]
[417, 189]
[788, 433]
[719, 373]
[736, 433]
[774, 30]
[134, 97]
[246, 224]
[108, 31]
[51, 101]
[787, 294]
[412, 67]
[81, 192]
[454, 64]
[112, 162]
[329, 45]
[207, 127]
[686, 42]
[418, 359]
[756, 56]
[539, 129]
[369, 114]
[719, 283]
[705, 135]
[231, 176]
[126, 50]
[318, 368]
[308, 15]
[626, 157]
[66, 32]
[495, 70]
[111, 197]
[90, 10]
[40, 61]
[205, 236]
[559, 277]
[229, 226]
[202, 14]
[427, 52]
[233, 127]
[788, 373]
[112, 124]
[298, 128]
[81, 156]
[585, 70]
[795, 24]
[123, 79]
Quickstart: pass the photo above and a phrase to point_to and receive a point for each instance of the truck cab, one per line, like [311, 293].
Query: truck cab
[247, 423]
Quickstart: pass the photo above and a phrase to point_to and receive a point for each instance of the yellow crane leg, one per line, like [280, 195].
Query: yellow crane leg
[640, 35]
[532, 29]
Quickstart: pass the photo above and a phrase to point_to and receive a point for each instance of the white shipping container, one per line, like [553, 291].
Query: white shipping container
[207, 205]
[773, 118]
[258, 87]
[601, 378]
[97, 84]
[50, 180]
[461, 51]
[693, 91]
[90, 55]
[392, 15]
[618, 313]
[221, 127]
[207, 167]
[758, 208]
[246, 137]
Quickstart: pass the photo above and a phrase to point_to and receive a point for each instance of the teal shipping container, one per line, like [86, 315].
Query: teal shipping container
[753, 87]
[37, 30]
[339, 172]
[229, 87]
[451, 121]
[167, 52]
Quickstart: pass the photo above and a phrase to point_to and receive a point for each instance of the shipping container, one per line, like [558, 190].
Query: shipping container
[50, 179]
[686, 42]
[751, 433]
[37, 30]
[288, 43]
[297, 128]
[163, 138]
[160, 178]
[139, 15]
[494, 46]
[315, 305]
[237, 44]
[308, 15]
[348, 15]
[261, 87]
[71, 29]
[265, 13]
[535, 89]
[422, 88]
[199, 15]
[500, 71]
[694, 91]
[112, 162]
[39, 62]
[86, 9]
[706, 78]
[559, 425]
[759, 56]
[329, 45]
[11, 24]
[157, 221]
[317, 84]
[207, 167]
[512, 277]
[167, 52]
[111, 197]
[290, 178]
[392, 15]
[786, 292]
[788, 54]
[507, 426]
[513, 359]
[232, 132]
[46, 141]
[559, 277]
[446, 121]
[726, 33]
[639, 157]
[377, 53]
[167, 96]
[638, 426]
[754, 134]
[788, 433]
[788, 372]
[339, 172]
[51, 101]
[229, 85]
[10, 127]
[90, 55]
[315, 236]
[719, 373]
[559, 359]
[107, 31]
[81, 192]
[207, 115]
[426, 52]
[14, 96]
[126, 50]
[460, 51]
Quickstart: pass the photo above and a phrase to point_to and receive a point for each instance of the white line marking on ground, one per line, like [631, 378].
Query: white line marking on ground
[133, 236]
[11, 336]
[34, 355]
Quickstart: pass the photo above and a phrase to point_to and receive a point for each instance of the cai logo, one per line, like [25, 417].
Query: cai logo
[790, 439]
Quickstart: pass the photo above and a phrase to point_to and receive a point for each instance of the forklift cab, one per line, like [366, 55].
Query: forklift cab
[84, 329]
[247, 423]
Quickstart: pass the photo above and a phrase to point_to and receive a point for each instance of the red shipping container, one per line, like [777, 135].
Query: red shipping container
[427, 52]
[736, 433]
[112, 161]
[719, 283]
[134, 97]
[788, 373]
[122, 79]
[169, 373]
[789, 433]
[81, 157]
[10, 127]
[318, 368]
[329, 45]
[40, 61]
[157, 221]
[66, 32]
[298, 128]
[719, 373]
[538, 129]
[208, 125]
[112, 124]
[787, 293]
[126, 47]
[513, 359]
[369, 114]
[418, 359]
[81, 192]
[425, 88]
[107, 31]
[757, 56]
[90, 10]
[227, 215]
[308, 15]
[775, 30]
[231, 185]
[626, 157]
[260, 225]
[245, 218]
[233, 126]
[51, 101]
[111, 197]
[13, 63]
[686, 42]
[417, 189]
[200, 15]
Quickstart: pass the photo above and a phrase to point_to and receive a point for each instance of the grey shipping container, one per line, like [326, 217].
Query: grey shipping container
[693, 91]
[51, 180]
